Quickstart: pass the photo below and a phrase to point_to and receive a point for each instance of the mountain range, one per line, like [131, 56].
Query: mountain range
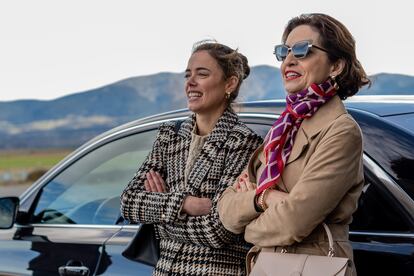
[71, 120]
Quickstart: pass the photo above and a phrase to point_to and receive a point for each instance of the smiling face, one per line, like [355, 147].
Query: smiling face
[298, 74]
[205, 85]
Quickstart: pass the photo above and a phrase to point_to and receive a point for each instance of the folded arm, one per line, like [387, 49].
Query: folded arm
[329, 174]
[208, 229]
[140, 205]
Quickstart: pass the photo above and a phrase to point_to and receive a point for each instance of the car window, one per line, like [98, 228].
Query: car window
[378, 210]
[87, 192]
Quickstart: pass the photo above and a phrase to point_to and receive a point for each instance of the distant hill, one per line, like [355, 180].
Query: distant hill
[71, 120]
[390, 84]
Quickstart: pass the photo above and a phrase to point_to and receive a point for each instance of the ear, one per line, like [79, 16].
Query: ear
[231, 83]
[337, 67]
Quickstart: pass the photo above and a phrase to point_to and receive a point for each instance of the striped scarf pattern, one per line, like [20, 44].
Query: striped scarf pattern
[281, 136]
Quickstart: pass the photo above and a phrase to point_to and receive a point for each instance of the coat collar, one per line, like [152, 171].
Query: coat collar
[329, 112]
[211, 147]
[312, 126]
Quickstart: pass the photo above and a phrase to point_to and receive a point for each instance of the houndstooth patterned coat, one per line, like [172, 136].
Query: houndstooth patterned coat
[193, 245]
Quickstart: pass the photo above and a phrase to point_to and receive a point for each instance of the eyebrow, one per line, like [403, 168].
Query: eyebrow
[198, 69]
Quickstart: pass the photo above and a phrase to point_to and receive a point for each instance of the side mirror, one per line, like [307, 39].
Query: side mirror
[8, 211]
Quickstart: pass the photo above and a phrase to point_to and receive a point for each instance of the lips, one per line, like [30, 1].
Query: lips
[291, 75]
[192, 95]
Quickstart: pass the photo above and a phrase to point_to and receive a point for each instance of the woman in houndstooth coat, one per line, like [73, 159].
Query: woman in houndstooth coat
[178, 185]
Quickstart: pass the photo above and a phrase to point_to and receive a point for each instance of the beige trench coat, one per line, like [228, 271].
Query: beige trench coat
[324, 179]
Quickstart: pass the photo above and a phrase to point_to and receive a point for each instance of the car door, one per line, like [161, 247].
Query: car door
[70, 215]
[382, 231]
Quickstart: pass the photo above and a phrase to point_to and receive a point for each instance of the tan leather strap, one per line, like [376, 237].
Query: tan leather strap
[331, 252]
[251, 257]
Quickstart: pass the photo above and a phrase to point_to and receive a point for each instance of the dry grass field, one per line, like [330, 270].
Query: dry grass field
[25, 166]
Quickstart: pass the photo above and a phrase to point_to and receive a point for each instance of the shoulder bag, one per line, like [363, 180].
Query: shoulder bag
[273, 263]
[144, 246]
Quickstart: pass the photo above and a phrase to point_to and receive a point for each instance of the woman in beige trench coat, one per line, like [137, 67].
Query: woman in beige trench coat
[309, 169]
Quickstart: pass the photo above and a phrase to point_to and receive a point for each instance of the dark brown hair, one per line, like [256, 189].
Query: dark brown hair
[230, 61]
[340, 44]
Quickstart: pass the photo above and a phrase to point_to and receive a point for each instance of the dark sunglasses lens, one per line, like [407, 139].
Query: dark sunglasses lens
[281, 52]
[300, 49]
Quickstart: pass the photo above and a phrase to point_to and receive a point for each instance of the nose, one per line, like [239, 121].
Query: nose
[290, 59]
[190, 81]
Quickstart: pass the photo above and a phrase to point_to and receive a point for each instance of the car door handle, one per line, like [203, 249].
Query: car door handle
[73, 268]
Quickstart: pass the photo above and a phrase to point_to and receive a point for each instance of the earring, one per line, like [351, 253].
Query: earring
[228, 94]
[335, 84]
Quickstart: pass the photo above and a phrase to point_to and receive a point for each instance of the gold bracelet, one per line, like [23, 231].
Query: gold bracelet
[262, 203]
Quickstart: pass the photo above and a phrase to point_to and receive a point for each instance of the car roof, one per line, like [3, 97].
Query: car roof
[382, 106]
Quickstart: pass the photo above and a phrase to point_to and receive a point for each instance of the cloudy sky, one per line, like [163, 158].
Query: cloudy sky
[51, 48]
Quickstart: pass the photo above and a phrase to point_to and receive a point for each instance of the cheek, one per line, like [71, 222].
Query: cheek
[319, 72]
[320, 76]
[215, 87]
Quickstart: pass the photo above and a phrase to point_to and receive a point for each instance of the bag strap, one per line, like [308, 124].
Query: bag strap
[331, 252]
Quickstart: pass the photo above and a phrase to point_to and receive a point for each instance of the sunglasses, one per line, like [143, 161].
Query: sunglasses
[299, 50]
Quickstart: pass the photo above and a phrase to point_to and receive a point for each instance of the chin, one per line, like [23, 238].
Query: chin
[292, 91]
[292, 88]
[192, 108]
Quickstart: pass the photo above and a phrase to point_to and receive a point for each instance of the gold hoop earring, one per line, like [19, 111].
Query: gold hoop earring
[228, 94]
[335, 84]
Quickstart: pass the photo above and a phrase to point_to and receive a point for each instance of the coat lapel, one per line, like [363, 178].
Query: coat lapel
[329, 112]
[300, 144]
[179, 150]
[210, 149]
[312, 126]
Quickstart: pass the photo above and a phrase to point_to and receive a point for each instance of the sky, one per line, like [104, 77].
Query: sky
[52, 48]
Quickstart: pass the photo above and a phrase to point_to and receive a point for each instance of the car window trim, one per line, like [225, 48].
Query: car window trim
[258, 115]
[83, 226]
[66, 226]
[406, 202]
[382, 234]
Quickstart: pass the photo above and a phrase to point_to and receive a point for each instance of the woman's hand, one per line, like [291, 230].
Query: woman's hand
[243, 183]
[154, 183]
[193, 206]
[196, 206]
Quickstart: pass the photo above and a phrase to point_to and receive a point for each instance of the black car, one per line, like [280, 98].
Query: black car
[69, 220]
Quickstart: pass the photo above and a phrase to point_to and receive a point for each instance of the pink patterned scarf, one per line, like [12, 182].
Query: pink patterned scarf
[280, 138]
